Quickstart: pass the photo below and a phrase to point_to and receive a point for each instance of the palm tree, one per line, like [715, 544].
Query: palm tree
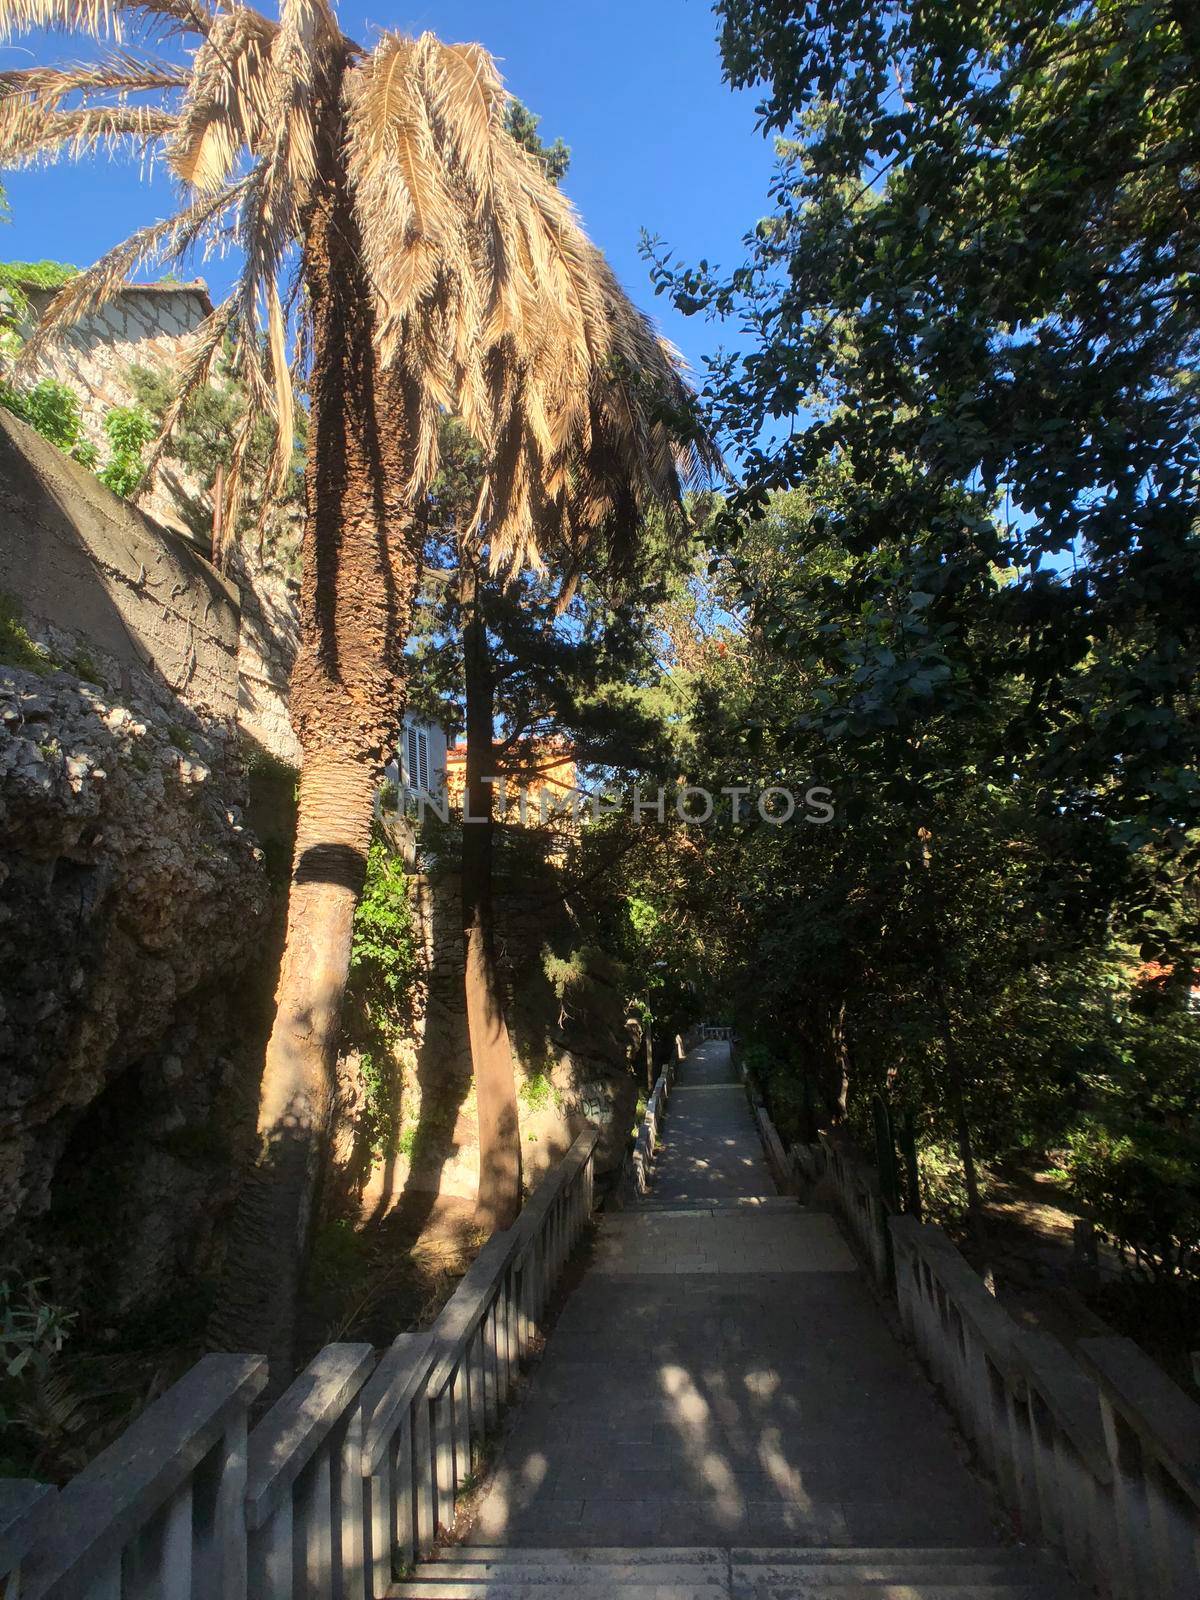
[416, 261]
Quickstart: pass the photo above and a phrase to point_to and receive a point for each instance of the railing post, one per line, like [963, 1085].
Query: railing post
[390, 1461]
[26, 1508]
[424, 1477]
[441, 1421]
[220, 1518]
[1152, 1437]
[158, 1563]
[461, 1401]
[387, 1518]
[1130, 1507]
[304, 1495]
[350, 1570]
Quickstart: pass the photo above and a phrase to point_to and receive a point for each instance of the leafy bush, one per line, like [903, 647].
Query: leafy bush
[1134, 1157]
[129, 429]
[383, 955]
[32, 1332]
[17, 276]
[538, 1092]
[50, 407]
[943, 1187]
[383, 971]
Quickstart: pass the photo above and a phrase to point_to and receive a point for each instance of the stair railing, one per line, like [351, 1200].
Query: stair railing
[641, 1164]
[351, 1473]
[1095, 1449]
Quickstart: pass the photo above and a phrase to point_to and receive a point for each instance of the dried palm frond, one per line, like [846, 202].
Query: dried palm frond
[299, 68]
[29, 135]
[225, 108]
[488, 299]
[117, 72]
[103, 18]
[489, 294]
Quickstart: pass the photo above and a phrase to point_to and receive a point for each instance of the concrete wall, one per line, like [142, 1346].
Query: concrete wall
[84, 560]
[270, 630]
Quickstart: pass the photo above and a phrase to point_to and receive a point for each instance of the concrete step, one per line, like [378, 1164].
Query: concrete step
[749, 1555]
[763, 1580]
[907, 1587]
[426, 1586]
[748, 1580]
[737, 1207]
[499, 1588]
[496, 1572]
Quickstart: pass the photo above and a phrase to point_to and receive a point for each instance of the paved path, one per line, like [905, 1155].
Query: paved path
[722, 1376]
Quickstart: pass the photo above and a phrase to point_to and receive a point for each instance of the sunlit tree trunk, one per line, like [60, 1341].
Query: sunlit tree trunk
[491, 1054]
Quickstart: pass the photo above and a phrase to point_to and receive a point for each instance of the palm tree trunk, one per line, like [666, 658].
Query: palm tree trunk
[499, 1196]
[359, 578]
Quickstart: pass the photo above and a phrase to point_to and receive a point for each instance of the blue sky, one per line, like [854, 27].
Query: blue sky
[633, 86]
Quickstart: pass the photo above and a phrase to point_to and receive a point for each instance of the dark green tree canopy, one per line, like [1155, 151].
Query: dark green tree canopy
[976, 297]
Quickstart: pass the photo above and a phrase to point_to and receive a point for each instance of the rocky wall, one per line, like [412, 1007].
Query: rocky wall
[135, 969]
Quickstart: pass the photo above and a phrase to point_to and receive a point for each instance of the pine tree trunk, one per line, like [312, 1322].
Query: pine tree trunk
[499, 1197]
[359, 578]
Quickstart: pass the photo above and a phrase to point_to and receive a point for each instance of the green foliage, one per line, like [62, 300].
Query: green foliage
[16, 276]
[50, 407]
[202, 442]
[32, 1333]
[340, 1259]
[962, 564]
[384, 954]
[53, 409]
[538, 1092]
[943, 1192]
[1134, 1158]
[129, 429]
[977, 286]
[384, 964]
[554, 159]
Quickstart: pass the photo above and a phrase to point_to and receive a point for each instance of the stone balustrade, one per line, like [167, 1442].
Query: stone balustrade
[161, 1511]
[642, 1160]
[782, 1169]
[25, 1512]
[350, 1474]
[861, 1202]
[1152, 1437]
[1095, 1451]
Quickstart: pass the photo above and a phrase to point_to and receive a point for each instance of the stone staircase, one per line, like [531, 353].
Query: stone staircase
[496, 1572]
[722, 1414]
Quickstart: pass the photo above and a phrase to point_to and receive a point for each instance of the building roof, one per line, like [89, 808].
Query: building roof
[194, 286]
